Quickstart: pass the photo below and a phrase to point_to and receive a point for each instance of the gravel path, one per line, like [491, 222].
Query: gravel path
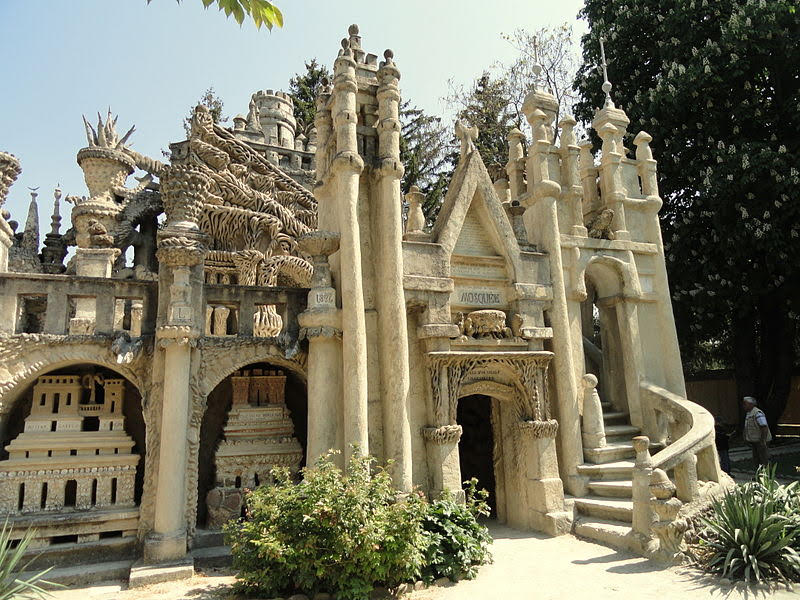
[526, 566]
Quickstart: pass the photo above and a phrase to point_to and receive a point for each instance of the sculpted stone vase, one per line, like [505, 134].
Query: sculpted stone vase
[9, 171]
[104, 171]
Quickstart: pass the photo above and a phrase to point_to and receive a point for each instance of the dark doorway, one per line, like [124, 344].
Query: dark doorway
[476, 448]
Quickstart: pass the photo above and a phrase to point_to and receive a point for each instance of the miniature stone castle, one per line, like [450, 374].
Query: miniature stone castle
[262, 324]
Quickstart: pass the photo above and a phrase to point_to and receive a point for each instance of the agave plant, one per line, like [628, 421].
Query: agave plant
[12, 585]
[753, 531]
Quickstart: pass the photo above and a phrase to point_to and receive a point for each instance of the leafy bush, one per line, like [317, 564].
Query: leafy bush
[339, 533]
[753, 531]
[458, 543]
[11, 586]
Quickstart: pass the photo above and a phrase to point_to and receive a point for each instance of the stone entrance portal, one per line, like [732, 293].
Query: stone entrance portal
[528, 490]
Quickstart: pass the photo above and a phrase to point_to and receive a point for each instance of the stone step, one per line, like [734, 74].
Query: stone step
[82, 575]
[215, 556]
[606, 406]
[611, 452]
[72, 554]
[615, 509]
[208, 538]
[621, 432]
[612, 489]
[610, 533]
[615, 417]
[622, 469]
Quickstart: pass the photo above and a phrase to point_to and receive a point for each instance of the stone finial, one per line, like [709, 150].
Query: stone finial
[538, 120]
[642, 143]
[416, 218]
[609, 103]
[467, 135]
[55, 219]
[608, 133]
[515, 138]
[239, 122]
[641, 445]
[253, 116]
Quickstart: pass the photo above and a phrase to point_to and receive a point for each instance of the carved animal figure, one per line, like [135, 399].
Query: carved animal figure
[98, 235]
[600, 227]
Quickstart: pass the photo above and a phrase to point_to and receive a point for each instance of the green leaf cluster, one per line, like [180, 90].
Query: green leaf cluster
[753, 531]
[458, 542]
[303, 88]
[262, 12]
[347, 532]
[12, 583]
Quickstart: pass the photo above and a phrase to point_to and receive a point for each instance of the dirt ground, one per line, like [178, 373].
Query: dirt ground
[526, 566]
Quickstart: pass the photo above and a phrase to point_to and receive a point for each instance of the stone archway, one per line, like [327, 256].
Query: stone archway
[75, 434]
[282, 410]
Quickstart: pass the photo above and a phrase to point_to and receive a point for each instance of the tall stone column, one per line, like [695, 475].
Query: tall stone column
[346, 167]
[181, 252]
[392, 323]
[541, 221]
[321, 323]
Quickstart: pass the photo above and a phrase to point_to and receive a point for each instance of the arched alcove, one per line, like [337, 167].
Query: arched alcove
[219, 404]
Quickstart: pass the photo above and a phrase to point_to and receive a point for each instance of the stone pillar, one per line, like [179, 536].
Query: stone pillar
[321, 323]
[181, 252]
[55, 494]
[515, 168]
[347, 166]
[541, 221]
[593, 433]
[90, 262]
[570, 180]
[33, 496]
[642, 473]
[103, 498]
[610, 124]
[443, 462]
[540, 484]
[391, 304]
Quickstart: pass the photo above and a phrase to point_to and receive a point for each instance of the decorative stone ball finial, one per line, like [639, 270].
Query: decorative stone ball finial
[589, 380]
[353, 29]
[388, 54]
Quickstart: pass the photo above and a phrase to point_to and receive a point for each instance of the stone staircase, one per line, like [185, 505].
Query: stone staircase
[606, 512]
[209, 550]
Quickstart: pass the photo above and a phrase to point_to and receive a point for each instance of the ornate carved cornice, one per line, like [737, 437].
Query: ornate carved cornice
[180, 335]
[181, 247]
[446, 434]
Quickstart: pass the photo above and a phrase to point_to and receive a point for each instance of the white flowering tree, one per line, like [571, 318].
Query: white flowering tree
[717, 85]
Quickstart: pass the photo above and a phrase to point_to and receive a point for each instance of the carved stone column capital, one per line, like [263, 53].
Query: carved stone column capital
[539, 429]
[181, 247]
[445, 434]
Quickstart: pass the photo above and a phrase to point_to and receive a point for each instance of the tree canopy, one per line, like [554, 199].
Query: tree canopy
[716, 84]
[303, 88]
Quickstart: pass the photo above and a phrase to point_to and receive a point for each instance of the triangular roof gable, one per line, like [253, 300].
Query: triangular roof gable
[471, 190]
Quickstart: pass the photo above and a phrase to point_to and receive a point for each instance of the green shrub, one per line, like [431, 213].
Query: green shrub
[458, 543]
[753, 531]
[11, 586]
[340, 533]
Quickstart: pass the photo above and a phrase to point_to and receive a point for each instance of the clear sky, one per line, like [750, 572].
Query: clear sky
[150, 64]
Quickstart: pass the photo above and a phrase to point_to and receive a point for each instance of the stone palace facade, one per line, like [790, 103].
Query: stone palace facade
[261, 299]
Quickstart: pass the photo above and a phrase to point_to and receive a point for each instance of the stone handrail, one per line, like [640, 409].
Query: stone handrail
[691, 426]
[690, 455]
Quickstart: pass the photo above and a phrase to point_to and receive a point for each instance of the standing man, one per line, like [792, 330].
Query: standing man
[756, 431]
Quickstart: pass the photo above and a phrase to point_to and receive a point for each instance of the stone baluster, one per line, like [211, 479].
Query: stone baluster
[347, 167]
[685, 474]
[570, 180]
[321, 323]
[137, 311]
[415, 223]
[643, 517]
[221, 320]
[593, 430]
[588, 173]
[515, 167]
[646, 165]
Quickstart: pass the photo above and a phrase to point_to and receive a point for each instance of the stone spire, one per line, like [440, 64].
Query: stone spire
[30, 237]
[609, 103]
[54, 249]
